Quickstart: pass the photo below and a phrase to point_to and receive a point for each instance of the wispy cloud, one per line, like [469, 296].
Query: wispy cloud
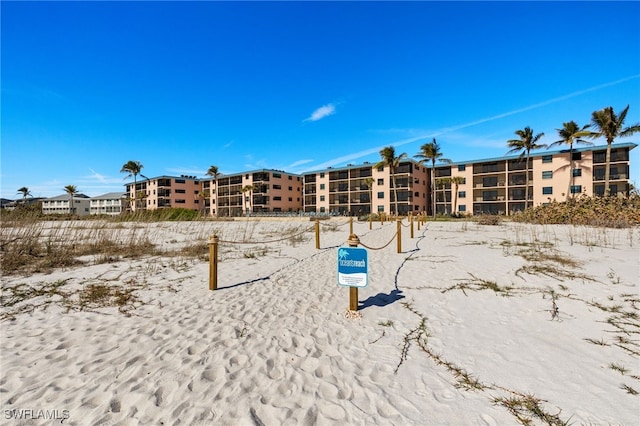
[322, 112]
[297, 163]
[187, 171]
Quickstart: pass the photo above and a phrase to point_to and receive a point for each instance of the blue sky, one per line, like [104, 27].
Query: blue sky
[297, 86]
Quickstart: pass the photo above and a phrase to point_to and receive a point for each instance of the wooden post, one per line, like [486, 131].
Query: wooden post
[317, 234]
[353, 241]
[370, 220]
[399, 233]
[213, 262]
[411, 220]
[351, 225]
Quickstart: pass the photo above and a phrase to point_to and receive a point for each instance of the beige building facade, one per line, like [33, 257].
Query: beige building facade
[498, 186]
[359, 190]
[254, 193]
[488, 186]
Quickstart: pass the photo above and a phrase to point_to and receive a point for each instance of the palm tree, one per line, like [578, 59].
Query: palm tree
[25, 193]
[368, 182]
[442, 184]
[431, 152]
[71, 190]
[203, 196]
[133, 168]
[456, 180]
[609, 126]
[570, 134]
[249, 189]
[526, 144]
[389, 159]
[213, 171]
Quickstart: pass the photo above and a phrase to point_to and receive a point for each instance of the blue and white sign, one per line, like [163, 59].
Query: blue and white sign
[352, 267]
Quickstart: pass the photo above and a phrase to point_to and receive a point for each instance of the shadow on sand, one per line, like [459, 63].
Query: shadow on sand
[381, 299]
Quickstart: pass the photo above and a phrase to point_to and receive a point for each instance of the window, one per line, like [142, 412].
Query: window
[290, 177]
[548, 174]
[180, 191]
[277, 198]
[291, 188]
[180, 181]
[547, 190]
[576, 189]
[322, 198]
[277, 175]
[547, 158]
[380, 181]
[381, 168]
[380, 194]
[462, 208]
[180, 201]
[577, 172]
[277, 187]
[380, 208]
[462, 167]
[462, 194]
[290, 199]
[576, 156]
[322, 186]
[322, 175]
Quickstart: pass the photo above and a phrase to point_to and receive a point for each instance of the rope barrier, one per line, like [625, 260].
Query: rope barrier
[379, 248]
[269, 241]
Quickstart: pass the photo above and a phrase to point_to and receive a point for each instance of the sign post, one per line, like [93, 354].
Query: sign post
[353, 263]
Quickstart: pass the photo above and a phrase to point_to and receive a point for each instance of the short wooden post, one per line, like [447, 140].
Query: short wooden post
[399, 233]
[370, 220]
[351, 225]
[353, 241]
[213, 262]
[317, 234]
[411, 220]
[381, 216]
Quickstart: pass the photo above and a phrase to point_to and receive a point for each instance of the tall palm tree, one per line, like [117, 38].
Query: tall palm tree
[368, 182]
[609, 126]
[456, 181]
[71, 190]
[389, 159]
[442, 184]
[213, 172]
[249, 189]
[133, 168]
[25, 193]
[527, 143]
[431, 152]
[571, 134]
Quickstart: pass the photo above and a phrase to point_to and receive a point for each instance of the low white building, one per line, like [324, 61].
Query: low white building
[62, 205]
[111, 204]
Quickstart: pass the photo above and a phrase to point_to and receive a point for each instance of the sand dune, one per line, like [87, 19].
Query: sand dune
[470, 324]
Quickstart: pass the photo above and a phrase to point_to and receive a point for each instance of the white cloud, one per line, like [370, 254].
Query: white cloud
[298, 163]
[322, 112]
[189, 171]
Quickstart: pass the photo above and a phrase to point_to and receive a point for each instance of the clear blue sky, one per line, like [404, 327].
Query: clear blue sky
[88, 86]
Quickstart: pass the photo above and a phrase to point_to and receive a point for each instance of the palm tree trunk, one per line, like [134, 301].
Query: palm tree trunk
[455, 200]
[606, 171]
[526, 189]
[571, 178]
[433, 189]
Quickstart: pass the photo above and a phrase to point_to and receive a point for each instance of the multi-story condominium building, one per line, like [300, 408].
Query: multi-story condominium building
[498, 185]
[164, 192]
[255, 191]
[356, 190]
[109, 204]
[62, 205]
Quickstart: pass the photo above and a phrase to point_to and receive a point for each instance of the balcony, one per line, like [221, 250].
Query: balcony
[618, 176]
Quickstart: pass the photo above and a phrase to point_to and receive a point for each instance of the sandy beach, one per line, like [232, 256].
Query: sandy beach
[469, 325]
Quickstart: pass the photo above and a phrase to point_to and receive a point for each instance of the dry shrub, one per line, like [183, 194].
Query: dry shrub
[609, 212]
[488, 219]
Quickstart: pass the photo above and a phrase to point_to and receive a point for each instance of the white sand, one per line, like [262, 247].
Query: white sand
[273, 346]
